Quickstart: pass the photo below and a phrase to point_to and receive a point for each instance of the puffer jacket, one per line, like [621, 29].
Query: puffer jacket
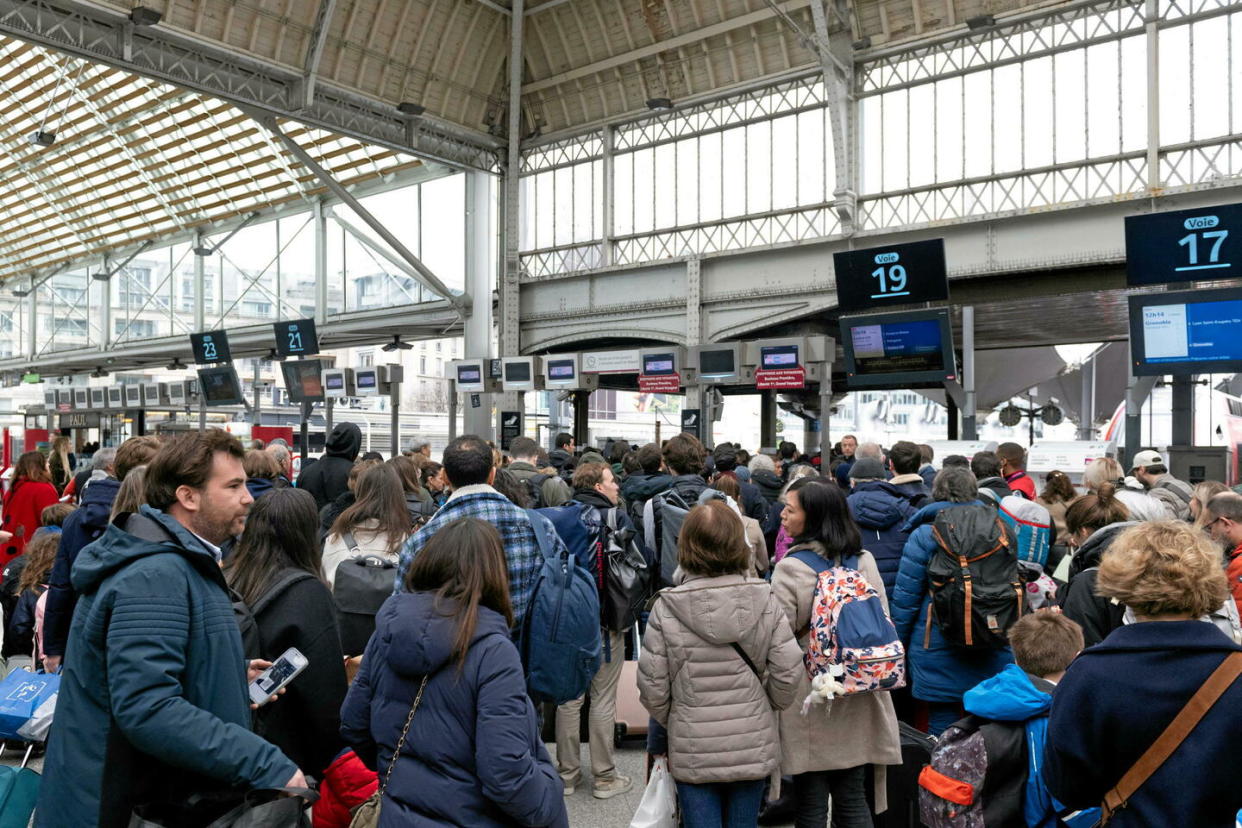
[939, 671]
[769, 484]
[1174, 494]
[880, 509]
[1096, 615]
[722, 719]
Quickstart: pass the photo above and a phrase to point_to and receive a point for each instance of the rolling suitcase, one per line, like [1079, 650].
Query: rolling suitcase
[632, 717]
[903, 780]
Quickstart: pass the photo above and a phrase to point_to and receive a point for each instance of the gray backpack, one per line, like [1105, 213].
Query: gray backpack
[673, 511]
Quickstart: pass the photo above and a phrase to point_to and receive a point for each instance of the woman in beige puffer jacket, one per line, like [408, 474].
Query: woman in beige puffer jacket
[720, 711]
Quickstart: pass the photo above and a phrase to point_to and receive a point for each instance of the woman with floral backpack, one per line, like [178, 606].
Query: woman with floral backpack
[827, 747]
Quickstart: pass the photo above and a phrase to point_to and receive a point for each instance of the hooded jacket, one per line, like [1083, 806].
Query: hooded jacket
[473, 755]
[327, 478]
[880, 509]
[553, 491]
[561, 460]
[689, 675]
[769, 484]
[1115, 701]
[1096, 615]
[641, 487]
[153, 704]
[83, 525]
[939, 671]
[1016, 701]
[688, 487]
[259, 486]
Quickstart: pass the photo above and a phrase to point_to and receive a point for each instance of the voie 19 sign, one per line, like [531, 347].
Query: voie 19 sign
[1184, 245]
[897, 274]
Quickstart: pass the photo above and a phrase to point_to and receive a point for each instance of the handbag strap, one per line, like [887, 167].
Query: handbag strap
[1173, 736]
[746, 658]
[404, 732]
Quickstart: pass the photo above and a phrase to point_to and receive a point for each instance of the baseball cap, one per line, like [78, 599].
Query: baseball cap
[867, 468]
[1147, 458]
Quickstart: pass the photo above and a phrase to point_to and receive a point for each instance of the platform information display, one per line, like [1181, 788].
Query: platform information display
[296, 338]
[1187, 332]
[896, 350]
[1184, 245]
[898, 274]
[210, 347]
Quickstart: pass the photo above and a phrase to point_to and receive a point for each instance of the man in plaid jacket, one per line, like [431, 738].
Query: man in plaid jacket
[468, 466]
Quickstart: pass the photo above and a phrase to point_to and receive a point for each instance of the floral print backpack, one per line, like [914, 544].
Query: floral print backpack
[853, 646]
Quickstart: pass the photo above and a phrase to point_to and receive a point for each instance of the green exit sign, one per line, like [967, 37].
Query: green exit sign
[32, 378]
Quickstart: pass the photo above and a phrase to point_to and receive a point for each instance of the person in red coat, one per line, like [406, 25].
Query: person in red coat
[30, 493]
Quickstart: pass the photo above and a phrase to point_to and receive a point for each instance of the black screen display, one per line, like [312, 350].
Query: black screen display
[517, 372]
[897, 274]
[717, 363]
[133, 395]
[210, 347]
[97, 397]
[1184, 245]
[219, 386]
[296, 338]
[303, 379]
[898, 349]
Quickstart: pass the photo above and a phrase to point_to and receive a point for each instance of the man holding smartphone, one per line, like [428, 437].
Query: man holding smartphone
[153, 704]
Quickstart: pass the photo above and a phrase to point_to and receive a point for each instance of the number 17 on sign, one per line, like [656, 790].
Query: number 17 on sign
[891, 276]
[1203, 240]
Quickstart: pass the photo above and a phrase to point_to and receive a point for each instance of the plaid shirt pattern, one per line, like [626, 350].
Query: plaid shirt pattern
[512, 522]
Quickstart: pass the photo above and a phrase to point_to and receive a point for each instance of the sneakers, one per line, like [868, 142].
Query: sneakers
[607, 788]
[570, 786]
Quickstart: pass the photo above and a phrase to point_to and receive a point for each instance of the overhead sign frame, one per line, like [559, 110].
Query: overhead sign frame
[893, 274]
[1204, 243]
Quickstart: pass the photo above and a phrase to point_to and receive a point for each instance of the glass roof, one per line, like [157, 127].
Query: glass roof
[135, 159]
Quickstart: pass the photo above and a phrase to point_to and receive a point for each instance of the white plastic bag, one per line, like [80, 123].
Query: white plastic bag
[36, 729]
[658, 808]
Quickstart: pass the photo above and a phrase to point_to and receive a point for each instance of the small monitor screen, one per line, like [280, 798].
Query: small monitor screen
[219, 386]
[561, 370]
[659, 365]
[365, 379]
[80, 397]
[775, 357]
[115, 396]
[303, 379]
[897, 347]
[717, 363]
[176, 391]
[133, 394]
[517, 372]
[49, 399]
[97, 397]
[469, 374]
[334, 382]
[1186, 332]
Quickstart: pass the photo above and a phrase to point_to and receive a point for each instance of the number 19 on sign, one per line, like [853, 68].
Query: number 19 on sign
[890, 276]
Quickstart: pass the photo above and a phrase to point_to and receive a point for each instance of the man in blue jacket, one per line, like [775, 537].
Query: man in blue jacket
[84, 525]
[881, 510]
[153, 704]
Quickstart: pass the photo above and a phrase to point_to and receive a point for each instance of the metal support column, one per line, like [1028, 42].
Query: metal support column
[970, 418]
[328, 410]
[1151, 13]
[695, 394]
[767, 419]
[1183, 410]
[1138, 390]
[394, 428]
[836, 59]
[825, 417]
[510, 274]
[582, 413]
[304, 431]
[319, 223]
[200, 286]
[608, 176]
[32, 318]
[452, 411]
[254, 412]
[479, 281]
[202, 411]
[1086, 414]
[951, 409]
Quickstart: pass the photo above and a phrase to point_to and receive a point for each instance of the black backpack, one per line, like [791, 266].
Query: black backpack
[361, 587]
[534, 488]
[976, 587]
[628, 576]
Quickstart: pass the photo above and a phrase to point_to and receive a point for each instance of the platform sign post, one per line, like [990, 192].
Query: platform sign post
[692, 422]
[510, 428]
[1184, 245]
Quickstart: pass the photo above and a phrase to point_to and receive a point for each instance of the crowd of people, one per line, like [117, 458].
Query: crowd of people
[794, 619]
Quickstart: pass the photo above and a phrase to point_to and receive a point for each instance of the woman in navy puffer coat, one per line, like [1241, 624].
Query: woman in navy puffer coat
[940, 672]
[473, 755]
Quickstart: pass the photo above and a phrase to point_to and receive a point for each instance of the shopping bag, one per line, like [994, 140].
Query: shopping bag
[21, 694]
[658, 808]
[36, 729]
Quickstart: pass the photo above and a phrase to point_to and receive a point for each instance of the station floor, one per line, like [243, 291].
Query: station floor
[585, 811]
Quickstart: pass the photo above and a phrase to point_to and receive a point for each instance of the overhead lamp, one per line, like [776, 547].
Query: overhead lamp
[176, 365]
[41, 138]
[410, 108]
[864, 43]
[99, 372]
[21, 292]
[659, 103]
[980, 21]
[397, 345]
[145, 16]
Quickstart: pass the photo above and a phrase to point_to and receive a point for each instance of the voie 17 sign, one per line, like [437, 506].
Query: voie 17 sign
[1184, 245]
[897, 274]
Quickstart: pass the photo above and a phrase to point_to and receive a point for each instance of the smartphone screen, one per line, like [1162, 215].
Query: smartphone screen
[282, 671]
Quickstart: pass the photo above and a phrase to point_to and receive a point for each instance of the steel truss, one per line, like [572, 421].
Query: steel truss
[85, 30]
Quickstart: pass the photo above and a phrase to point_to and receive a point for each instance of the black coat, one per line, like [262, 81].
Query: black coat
[328, 477]
[305, 723]
[1114, 702]
[1096, 615]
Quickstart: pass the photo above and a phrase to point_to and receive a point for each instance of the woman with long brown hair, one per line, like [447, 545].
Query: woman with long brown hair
[377, 524]
[439, 707]
[30, 493]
